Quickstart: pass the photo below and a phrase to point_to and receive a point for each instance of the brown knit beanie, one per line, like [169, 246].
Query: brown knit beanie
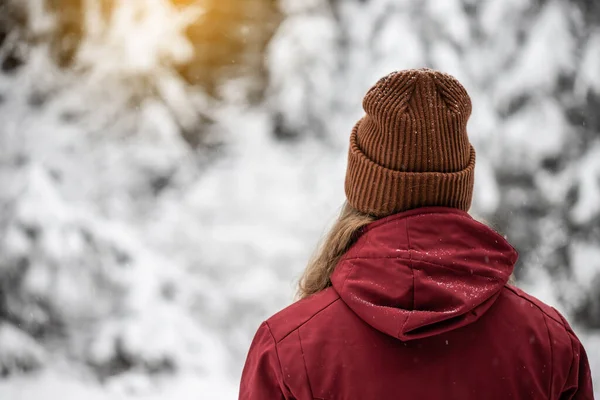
[411, 148]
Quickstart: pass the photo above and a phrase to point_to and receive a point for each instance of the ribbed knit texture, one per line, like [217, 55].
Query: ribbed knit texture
[411, 148]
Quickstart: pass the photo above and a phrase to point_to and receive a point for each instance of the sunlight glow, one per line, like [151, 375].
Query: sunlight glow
[139, 36]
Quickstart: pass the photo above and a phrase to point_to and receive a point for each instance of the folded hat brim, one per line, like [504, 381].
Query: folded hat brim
[376, 190]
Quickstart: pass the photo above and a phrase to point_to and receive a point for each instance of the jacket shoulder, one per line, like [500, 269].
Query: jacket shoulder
[571, 372]
[544, 308]
[294, 316]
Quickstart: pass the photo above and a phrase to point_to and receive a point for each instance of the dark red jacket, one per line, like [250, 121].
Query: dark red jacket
[420, 308]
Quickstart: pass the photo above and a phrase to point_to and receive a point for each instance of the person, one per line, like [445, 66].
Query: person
[408, 295]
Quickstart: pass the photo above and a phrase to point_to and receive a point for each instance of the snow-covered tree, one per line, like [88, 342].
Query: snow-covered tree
[156, 207]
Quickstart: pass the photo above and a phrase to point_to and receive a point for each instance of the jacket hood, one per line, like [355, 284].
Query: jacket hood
[424, 272]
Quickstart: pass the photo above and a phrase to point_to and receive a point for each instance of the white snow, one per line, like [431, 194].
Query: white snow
[589, 78]
[19, 350]
[537, 68]
[175, 280]
[588, 175]
[536, 131]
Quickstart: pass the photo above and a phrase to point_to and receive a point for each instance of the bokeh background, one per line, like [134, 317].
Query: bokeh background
[168, 166]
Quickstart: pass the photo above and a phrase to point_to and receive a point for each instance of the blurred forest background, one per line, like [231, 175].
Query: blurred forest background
[167, 167]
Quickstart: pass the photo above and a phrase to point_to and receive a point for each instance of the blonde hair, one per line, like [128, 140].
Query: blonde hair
[342, 235]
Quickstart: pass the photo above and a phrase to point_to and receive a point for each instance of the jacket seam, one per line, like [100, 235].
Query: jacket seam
[551, 358]
[305, 366]
[276, 353]
[347, 276]
[561, 323]
[410, 260]
[412, 270]
[572, 352]
[537, 306]
[376, 258]
[305, 322]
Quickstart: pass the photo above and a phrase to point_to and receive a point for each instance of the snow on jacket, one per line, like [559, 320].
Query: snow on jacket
[420, 308]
